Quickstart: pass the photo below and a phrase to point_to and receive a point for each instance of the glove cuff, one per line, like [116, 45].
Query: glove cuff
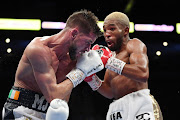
[95, 83]
[76, 76]
[115, 65]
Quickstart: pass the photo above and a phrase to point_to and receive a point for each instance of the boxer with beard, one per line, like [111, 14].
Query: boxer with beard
[41, 73]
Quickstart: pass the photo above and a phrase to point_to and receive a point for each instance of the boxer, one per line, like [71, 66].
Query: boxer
[41, 75]
[127, 73]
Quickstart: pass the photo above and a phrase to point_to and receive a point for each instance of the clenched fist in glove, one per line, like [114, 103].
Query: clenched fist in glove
[58, 110]
[105, 54]
[88, 64]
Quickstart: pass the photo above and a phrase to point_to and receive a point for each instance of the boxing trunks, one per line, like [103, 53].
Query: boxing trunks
[23, 104]
[138, 105]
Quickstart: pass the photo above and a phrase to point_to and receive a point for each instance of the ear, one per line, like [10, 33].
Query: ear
[74, 33]
[126, 31]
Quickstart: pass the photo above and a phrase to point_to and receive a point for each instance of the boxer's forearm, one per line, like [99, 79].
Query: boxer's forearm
[65, 88]
[137, 69]
[136, 72]
[51, 90]
[105, 90]
[60, 91]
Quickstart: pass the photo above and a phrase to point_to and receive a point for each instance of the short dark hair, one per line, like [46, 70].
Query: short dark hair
[86, 21]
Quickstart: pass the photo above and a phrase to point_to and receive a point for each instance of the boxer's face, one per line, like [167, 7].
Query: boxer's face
[113, 34]
[80, 44]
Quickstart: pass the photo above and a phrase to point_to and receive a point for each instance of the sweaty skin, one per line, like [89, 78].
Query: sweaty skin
[134, 53]
[46, 62]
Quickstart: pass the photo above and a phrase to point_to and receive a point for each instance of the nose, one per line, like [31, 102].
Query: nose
[107, 35]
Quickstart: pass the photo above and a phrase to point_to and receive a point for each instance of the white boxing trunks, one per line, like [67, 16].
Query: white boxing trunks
[24, 113]
[134, 106]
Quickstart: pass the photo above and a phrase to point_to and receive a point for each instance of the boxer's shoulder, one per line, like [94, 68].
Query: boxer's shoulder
[37, 48]
[136, 45]
[134, 42]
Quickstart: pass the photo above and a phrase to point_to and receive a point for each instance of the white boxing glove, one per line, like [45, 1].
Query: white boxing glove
[58, 110]
[88, 64]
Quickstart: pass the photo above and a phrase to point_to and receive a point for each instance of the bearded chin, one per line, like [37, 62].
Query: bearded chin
[117, 46]
[72, 52]
[113, 48]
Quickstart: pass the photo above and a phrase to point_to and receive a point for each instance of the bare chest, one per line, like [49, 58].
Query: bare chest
[120, 84]
[64, 67]
[124, 56]
[55, 62]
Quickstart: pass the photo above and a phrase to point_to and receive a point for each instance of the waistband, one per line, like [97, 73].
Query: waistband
[28, 98]
[143, 91]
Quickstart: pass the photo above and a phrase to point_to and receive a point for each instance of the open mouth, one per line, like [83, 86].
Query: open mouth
[109, 43]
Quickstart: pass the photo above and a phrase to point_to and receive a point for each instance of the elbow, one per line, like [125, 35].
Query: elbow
[49, 99]
[110, 97]
[144, 77]
[107, 93]
[54, 93]
[53, 96]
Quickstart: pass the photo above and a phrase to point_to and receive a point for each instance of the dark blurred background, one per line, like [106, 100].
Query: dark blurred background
[84, 103]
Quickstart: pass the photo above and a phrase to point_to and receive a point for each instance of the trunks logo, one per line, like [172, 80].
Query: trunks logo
[40, 103]
[116, 116]
[144, 116]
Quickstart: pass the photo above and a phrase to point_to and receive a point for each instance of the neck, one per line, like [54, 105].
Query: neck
[59, 43]
[123, 45]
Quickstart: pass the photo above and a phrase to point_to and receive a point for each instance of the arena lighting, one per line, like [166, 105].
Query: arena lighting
[53, 25]
[178, 28]
[61, 25]
[100, 24]
[158, 53]
[7, 40]
[165, 44]
[9, 50]
[153, 27]
[20, 24]
[131, 30]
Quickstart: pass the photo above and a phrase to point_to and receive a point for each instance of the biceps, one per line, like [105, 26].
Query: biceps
[42, 68]
[45, 77]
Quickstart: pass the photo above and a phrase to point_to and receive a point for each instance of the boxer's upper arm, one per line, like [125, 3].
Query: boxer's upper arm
[41, 65]
[138, 67]
[138, 53]
[39, 59]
